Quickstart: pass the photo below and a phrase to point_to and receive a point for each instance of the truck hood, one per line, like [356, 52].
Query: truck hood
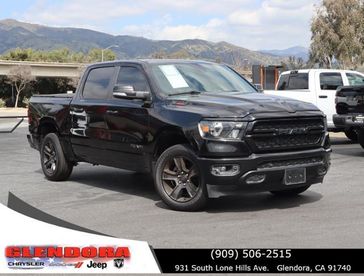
[237, 104]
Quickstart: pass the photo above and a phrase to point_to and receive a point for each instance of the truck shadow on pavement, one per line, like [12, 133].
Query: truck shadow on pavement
[124, 182]
[352, 151]
[255, 202]
[341, 141]
[260, 202]
[141, 185]
[346, 147]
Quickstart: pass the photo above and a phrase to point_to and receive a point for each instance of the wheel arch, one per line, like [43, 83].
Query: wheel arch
[171, 137]
[47, 125]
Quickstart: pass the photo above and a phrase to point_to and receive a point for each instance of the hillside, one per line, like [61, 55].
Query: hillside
[15, 34]
[297, 51]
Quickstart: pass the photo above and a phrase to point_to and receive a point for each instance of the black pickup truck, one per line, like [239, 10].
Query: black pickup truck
[200, 128]
[350, 110]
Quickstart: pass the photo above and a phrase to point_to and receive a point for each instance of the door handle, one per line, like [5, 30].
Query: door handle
[322, 96]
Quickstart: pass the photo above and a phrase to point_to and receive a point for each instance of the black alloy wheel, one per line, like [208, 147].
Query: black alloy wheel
[50, 157]
[54, 164]
[178, 179]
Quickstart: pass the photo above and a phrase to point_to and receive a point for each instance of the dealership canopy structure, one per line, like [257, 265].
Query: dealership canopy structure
[44, 69]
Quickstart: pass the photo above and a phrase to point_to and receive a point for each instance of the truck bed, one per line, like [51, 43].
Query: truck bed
[54, 107]
[52, 98]
[350, 100]
[65, 95]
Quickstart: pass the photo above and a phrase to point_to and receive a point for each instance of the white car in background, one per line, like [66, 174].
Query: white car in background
[317, 86]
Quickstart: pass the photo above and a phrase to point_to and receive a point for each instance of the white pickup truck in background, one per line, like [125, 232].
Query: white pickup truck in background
[317, 86]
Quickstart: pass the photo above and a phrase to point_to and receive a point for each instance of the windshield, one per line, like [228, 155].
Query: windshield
[180, 78]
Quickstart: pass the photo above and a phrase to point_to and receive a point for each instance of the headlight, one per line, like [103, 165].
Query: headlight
[221, 129]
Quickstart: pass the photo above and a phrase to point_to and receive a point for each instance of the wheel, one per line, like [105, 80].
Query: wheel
[178, 179]
[361, 137]
[291, 191]
[54, 164]
[351, 134]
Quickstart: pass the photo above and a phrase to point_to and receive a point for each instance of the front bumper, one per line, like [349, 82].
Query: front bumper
[349, 121]
[272, 166]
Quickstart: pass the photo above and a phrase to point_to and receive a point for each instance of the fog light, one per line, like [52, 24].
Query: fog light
[225, 170]
[255, 179]
[322, 170]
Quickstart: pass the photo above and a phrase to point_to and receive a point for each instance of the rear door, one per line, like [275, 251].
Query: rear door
[328, 82]
[88, 110]
[127, 121]
[296, 85]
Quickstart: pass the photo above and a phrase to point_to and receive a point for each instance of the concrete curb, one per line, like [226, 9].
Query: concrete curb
[13, 111]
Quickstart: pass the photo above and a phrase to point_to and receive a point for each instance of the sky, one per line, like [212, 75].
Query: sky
[261, 24]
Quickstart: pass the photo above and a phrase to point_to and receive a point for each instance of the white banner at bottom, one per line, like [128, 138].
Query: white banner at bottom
[31, 246]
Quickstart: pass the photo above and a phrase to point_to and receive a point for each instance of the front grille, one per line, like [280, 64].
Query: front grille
[291, 163]
[285, 134]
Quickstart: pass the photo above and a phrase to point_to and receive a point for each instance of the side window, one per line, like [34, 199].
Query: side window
[293, 81]
[132, 76]
[298, 81]
[283, 82]
[355, 79]
[330, 81]
[98, 82]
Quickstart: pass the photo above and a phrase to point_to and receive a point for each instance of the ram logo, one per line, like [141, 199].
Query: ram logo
[291, 131]
[119, 263]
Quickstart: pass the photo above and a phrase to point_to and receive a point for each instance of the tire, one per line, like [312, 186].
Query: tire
[291, 191]
[53, 161]
[178, 179]
[351, 134]
[361, 137]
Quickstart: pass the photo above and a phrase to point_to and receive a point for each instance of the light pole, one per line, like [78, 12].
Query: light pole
[102, 50]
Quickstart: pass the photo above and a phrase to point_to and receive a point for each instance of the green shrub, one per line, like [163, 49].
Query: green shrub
[26, 101]
[2, 103]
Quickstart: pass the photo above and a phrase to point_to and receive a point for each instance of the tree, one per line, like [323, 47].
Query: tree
[19, 76]
[94, 55]
[295, 63]
[58, 55]
[338, 34]
[18, 54]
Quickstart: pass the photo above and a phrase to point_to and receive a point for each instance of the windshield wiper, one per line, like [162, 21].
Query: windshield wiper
[192, 92]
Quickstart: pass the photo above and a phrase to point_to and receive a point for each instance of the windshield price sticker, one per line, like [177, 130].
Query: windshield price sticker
[173, 76]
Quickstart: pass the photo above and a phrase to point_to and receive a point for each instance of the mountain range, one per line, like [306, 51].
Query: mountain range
[14, 34]
[296, 51]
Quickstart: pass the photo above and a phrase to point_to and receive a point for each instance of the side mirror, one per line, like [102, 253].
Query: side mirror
[259, 87]
[128, 92]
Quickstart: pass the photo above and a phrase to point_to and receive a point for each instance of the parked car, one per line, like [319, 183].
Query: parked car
[198, 127]
[318, 86]
[350, 110]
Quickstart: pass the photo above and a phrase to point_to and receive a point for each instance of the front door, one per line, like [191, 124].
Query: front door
[329, 82]
[127, 121]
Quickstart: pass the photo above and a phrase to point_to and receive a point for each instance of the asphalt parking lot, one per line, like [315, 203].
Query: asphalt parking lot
[124, 204]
